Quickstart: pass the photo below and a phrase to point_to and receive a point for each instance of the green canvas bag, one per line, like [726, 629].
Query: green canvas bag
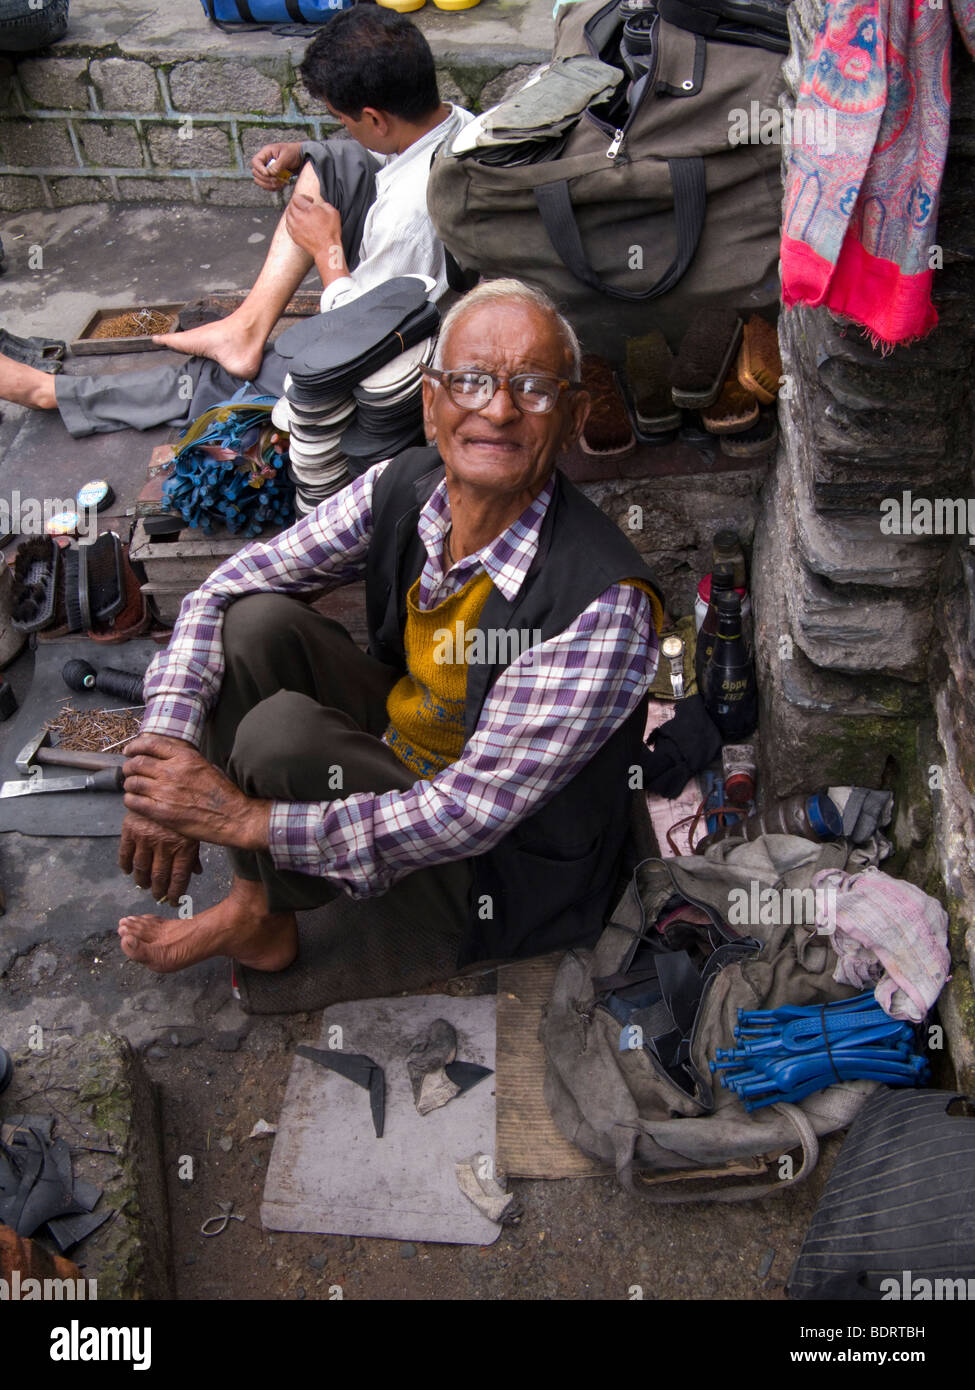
[655, 1110]
[651, 206]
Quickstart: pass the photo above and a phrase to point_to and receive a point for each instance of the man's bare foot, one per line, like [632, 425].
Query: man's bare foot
[240, 926]
[235, 343]
[25, 385]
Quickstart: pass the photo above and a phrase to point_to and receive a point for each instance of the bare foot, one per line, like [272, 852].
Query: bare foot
[240, 926]
[25, 385]
[237, 344]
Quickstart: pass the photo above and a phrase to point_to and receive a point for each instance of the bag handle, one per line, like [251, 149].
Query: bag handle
[690, 204]
[625, 1142]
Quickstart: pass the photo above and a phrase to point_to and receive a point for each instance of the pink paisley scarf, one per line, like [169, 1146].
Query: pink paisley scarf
[861, 206]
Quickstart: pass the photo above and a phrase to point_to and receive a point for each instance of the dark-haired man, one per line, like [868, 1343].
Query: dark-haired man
[358, 213]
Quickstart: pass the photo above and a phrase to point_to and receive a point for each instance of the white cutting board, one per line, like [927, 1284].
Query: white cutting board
[328, 1171]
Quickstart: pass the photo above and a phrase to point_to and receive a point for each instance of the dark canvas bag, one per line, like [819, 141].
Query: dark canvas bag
[666, 189]
[619, 1103]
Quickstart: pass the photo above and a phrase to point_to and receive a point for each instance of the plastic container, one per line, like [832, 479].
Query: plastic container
[704, 598]
[812, 817]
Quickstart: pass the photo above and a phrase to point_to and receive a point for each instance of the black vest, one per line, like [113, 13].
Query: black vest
[549, 882]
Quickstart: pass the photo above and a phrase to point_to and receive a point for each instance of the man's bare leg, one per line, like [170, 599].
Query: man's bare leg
[25, 385]
[240, 926]
[237, 342]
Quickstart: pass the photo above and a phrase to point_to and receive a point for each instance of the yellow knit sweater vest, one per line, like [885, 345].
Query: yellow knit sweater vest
[426, 706]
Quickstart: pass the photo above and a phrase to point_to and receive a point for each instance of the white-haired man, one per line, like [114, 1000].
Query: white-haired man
[479, 786]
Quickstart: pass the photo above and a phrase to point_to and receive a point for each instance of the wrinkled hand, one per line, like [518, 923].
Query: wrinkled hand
[171, 784]
[158, 859]
[285, 154]
[312, 225]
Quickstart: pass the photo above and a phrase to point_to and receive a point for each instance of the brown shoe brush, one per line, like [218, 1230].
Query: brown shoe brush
[759, 361]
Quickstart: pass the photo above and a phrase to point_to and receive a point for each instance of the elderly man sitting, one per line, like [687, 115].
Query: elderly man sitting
[481, 786]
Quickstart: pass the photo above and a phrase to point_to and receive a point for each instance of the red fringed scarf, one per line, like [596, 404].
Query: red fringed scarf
[870, 135]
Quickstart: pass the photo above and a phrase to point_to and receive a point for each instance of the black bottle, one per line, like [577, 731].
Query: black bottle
[722, 581]
[728, 686]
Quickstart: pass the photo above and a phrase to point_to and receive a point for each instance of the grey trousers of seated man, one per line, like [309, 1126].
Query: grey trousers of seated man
[176, 395]
[298, 700]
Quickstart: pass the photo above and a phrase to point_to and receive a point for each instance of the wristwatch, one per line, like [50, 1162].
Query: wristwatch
[672, 648]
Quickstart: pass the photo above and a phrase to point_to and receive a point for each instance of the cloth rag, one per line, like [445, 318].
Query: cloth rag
[889, 934]
[475, 1178]
[681, 747]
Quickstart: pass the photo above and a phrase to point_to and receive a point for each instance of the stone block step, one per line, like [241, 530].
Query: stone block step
[142, 103]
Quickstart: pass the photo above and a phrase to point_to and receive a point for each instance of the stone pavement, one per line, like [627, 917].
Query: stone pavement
[139, 103]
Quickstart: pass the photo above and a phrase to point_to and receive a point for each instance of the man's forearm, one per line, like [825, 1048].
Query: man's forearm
[324, 550]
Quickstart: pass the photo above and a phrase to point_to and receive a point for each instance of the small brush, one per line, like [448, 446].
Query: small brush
[759, 366]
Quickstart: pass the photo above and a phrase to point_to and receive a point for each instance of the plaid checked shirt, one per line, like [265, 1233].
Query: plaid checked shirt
[533, 735]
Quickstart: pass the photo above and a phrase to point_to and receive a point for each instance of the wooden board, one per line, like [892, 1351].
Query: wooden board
[529, 1143]
[87, 346]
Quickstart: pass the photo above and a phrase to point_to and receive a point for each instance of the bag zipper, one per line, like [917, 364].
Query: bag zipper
[614, 148]
[620, 132]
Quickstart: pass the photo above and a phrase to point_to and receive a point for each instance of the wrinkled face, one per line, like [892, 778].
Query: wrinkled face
[498, 448]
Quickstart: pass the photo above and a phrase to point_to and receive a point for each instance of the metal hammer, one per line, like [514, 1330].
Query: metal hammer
[39, 750]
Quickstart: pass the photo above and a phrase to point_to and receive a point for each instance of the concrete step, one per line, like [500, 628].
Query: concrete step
[140, 105]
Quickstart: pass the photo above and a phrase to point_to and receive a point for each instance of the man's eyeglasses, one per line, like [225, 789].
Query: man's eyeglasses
[532, 393]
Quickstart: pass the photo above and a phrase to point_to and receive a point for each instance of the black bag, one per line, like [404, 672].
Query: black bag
[648, 209]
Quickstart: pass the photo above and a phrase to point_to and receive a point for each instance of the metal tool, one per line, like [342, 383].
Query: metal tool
[39, 750]
[109, 779]
[220, 1223]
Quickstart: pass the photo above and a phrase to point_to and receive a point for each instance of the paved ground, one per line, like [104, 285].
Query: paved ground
[218, 1071]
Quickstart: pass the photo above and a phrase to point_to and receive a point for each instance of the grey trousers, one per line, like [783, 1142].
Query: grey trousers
[300, 702]
[176, 395]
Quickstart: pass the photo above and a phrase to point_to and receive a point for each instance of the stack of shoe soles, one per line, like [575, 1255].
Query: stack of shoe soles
[389, 410]
[530, 125]
[318, 467]
[607, 432]
[725, 373]
[329, 357]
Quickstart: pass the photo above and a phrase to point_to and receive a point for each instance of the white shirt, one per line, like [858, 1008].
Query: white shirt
[398, 237]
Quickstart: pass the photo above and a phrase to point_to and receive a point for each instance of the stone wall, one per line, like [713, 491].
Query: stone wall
[96, 127]
[865, 639]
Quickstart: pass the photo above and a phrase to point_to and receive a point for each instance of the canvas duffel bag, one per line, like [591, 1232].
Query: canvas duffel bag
[644, 215]
[277, 12]
[656, 1109]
